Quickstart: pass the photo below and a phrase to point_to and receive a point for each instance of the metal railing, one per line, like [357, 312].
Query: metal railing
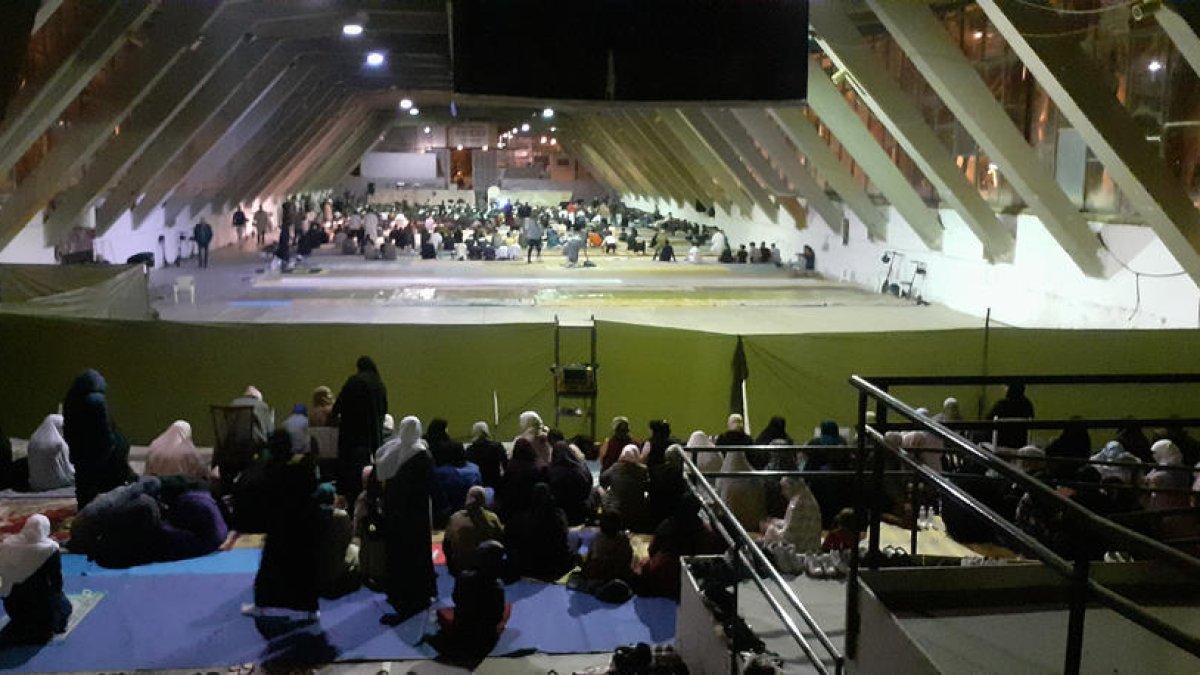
[752, 560]
[1082, 587]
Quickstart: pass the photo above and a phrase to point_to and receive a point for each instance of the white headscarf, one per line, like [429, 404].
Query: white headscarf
[735, 422]
[393, 454]
[22, 554]
[173, 454]
[630, 454]
[801, 524]
[707, 462]
[745, 496]
[530, 421]
[1166, 452]
[49, 458]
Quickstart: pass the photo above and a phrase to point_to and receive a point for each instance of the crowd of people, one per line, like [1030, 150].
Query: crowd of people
[507, 509]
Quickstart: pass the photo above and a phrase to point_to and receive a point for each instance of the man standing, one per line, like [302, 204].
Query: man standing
[239, 223]
[202, 233]
[533, 239]
[262, 224]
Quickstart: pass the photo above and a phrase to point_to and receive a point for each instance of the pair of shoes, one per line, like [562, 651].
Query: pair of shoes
[251, 609]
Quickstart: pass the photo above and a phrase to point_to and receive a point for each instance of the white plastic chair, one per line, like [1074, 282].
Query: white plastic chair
[187, 284]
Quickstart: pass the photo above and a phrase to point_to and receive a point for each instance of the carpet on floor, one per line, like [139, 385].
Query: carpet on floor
[187, 615]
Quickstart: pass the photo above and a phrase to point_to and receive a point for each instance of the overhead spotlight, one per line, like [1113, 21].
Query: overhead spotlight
[375, 59]
[414, 111]
[547, 113]
[405, 103]
[543, 140]
[525, 127]
[458, 147]
[484, 148]
[352, 29]
[514, 130]
[978, 35]
[427, 130]
[1154, 66]
[553, 141]
[553, 128]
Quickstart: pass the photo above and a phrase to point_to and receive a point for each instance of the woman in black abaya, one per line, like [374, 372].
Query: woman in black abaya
[406, 469]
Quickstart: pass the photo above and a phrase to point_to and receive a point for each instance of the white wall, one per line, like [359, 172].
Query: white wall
[394, 166]
[1042, 287]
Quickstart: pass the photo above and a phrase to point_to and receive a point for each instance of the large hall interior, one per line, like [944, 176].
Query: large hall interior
[709, 336]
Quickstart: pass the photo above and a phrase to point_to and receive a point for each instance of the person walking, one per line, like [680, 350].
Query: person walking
[533, 239]
[262, 225]
[202, 233]
[239, 223]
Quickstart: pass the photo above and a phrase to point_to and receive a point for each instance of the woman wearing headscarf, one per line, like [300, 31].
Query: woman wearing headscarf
[537, 540]
[775, 430]
[192, 524]
[337, 557]
[685, 533]
[470, 629]
[1073, 443]
[609, 557]
[1014, 405]
[488, 454]
[950, 411]
[626, 483]
[1115, 452]
[49, 463]
[534, 431]
[405, 467]
[1168, 459]
[358, 414]
[654, 451]
[735, 432]
[122, 527]
[1133, 439]
[31, 584]
[322, 407]
[100, 454]
[452, 478]
[467, 529]
[801, 522]
[524, 471]
[832, 495]
[570, 481]
[173, 454]
[667, 484]
[288, 573]
[745, 496]
[264, 417]
[615, 443]
[437, 437]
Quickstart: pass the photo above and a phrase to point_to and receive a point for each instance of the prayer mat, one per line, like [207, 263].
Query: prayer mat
[60, 511]
[82, 603]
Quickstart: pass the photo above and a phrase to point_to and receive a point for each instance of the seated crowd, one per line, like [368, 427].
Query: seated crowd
[368, 517]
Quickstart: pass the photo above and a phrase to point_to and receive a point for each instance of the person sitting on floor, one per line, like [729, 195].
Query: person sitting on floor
[667, 484]
[488, 454]
[842, 536]
[654, 450]
[173, 454]
[31, 584]
[49, 458]
[321, 407]
[538, 539]
[337, 565]
[264, 417]
[470, 629]
[683, 534]
[614, 444]
[99, 454]
[452, 478]
[626, 484]
[192, 524]
[571, 482]
[801, 523]
[745, 496]
[296, 426]
[707, 462]
[534, 430]
[467, 529]
[122, 527]
[524, 471]
[607, 570]
[735, 432]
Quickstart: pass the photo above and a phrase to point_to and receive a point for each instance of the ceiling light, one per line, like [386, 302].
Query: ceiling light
[514, 130]
[547, 113]
[414, 111]
[484, 148]
[1155, 66]
[543, 140]
[978, 35]
[553, 141]
[525, 127]
[375, 59]
[427, 130]
[458, 147]
[352, 29]
[405, 103]
[553, 128]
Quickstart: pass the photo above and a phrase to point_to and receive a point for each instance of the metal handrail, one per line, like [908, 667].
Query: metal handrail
[1035, 487]
[927, 380]
[1112, 600]
[731, 525]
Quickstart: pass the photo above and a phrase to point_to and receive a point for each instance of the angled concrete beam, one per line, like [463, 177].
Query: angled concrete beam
[1181, 33]
[845, 124]
[780, 154]
[923, 38]
[219, 90]
[598, 159]
[635, 140]
[842, 42]
[339, 165]
[701, 165]
[679, 159]
[224, 41]
[253, 100]
[750, 153]
[674, 123]
[316, 149]
[211, 154]
[47, 10]
[645, 135]
[593, 163]
[1078, 88]
[728, 155]
[820, 158]
[638, 156]
[36, 108]
[619, 160]
[290, 155]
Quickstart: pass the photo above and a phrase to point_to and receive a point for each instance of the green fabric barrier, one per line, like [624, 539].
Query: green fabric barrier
[158, 372]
